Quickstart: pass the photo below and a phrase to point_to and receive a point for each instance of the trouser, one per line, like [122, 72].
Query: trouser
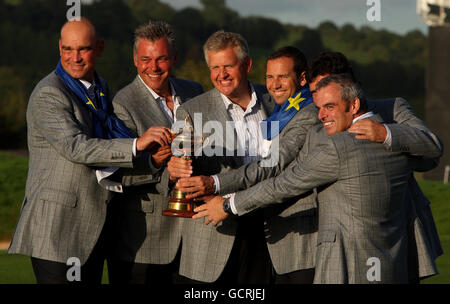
[125, 272]
[303, 276]
[249, 261]
[91, 272]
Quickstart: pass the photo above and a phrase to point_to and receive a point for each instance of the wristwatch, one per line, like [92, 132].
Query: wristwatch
[227, 207]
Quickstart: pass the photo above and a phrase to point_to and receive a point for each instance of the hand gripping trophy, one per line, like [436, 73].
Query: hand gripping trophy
[184, 145]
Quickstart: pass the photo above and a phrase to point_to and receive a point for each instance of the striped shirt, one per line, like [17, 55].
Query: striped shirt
[162, 103]
[247, 127]
[248, 131]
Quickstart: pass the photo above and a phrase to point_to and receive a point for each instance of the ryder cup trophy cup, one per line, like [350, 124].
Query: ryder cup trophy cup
[184, 145]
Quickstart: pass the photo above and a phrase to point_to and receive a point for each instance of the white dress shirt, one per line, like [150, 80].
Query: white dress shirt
[248, 131]
[105, 173]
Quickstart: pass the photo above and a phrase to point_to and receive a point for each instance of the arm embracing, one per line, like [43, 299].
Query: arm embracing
[287, 145]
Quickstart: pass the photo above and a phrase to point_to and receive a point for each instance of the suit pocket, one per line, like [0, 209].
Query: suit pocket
[326, 236]
[144, 204]
[64, 198]
[148, 206]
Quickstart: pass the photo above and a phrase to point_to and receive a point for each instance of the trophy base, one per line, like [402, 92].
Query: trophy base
[178, 213]
[180, 208]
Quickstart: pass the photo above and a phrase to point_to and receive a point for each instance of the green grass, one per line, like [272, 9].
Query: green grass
[13, 174]
[439, 196]
[17, 268]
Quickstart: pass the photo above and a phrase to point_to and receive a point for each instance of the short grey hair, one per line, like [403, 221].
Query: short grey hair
[222, 40]
[349, 89]
[153, 31]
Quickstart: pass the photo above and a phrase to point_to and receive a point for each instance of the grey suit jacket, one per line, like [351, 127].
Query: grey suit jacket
[287, 236]
[144, 235]
[425, 245]
[362, 209]
[206, 249]
[291, 228]
[64, 208]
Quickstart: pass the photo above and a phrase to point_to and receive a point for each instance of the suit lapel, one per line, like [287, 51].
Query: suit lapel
[220, 109]
[145, 99]
[85, 114]
[267, 104]
[216, 111]
[179, 91]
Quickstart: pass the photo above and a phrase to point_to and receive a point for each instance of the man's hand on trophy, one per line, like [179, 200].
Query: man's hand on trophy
[179, 168]
[196, 186]
[153, 138]
[160, 156]
[212, 209]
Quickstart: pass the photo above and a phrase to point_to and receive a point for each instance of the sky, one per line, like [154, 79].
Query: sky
[397, 16]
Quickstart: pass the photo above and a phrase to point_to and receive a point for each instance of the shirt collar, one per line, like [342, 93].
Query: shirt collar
[364, 116]
[253, 98]
[86, 83]
[154, 94]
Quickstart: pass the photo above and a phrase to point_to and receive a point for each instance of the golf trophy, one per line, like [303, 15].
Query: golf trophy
[184, 145]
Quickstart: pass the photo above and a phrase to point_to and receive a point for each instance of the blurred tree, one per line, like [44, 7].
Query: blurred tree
[217, 13]
[146, 10]
[327, 28]
[388, 64]
[191, 32]
[42, 15]
[12, 109]
[310, 43]
[195, 70]
[260, 31]
[113, 19]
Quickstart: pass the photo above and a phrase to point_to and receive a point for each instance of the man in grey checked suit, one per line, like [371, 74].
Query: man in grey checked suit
[361, 192]
[64, 210]
[147, 241]
[235, 252]
[291, 228]
[425, 246]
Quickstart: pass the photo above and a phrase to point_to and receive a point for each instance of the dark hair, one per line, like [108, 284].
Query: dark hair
[350, 89]
[153, 31]
[291, 52]
[329, 63]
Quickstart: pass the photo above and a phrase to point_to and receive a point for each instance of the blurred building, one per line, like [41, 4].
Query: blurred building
[436, 13]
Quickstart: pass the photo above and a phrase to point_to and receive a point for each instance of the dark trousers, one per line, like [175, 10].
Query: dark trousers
[249, 261]
[51, 272]
[304, 276]
[125, 272]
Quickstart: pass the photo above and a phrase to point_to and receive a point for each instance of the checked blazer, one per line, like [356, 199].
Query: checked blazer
[144, 235]
[361, 201]
[206, 249]
[64, 208]
[292, 226]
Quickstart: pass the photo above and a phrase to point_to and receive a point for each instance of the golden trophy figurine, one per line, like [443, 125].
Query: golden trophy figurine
[184, 145]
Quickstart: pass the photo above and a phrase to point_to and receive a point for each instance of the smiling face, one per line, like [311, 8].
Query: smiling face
[228, 73]
[79, 49]
[334, 112]
[154, 61]
[281, 80]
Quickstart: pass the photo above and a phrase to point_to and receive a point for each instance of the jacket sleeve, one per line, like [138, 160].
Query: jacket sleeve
[52, 115]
